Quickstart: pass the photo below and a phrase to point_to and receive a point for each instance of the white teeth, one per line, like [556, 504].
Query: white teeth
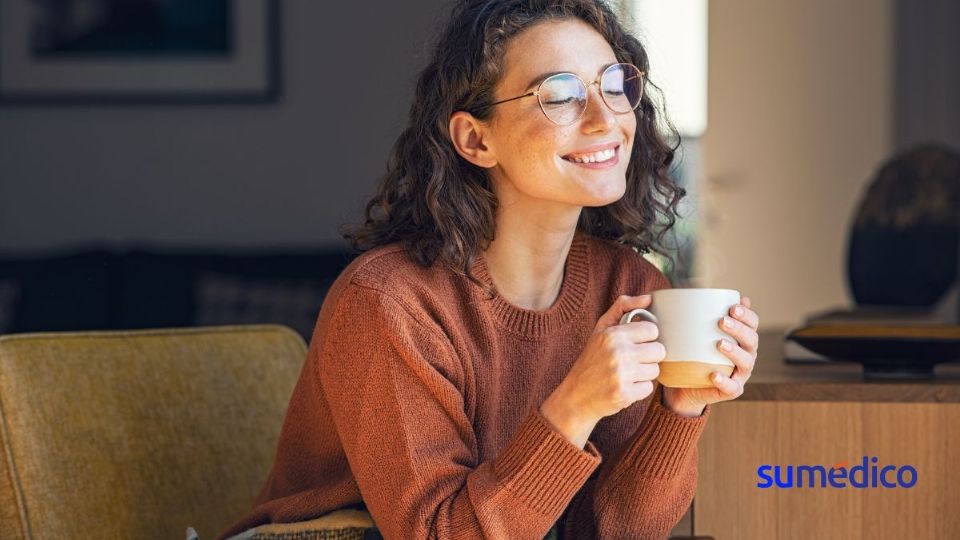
[596, 157]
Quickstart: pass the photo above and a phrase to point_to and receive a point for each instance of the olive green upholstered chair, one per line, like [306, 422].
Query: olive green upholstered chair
[139, 434]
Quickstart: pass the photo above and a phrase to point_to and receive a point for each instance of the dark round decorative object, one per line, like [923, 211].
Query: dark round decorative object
[904, 242]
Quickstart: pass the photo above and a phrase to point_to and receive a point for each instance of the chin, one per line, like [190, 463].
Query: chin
[609, 192]
[609, 201]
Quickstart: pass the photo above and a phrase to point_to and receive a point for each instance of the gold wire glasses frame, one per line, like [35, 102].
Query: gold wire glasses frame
[631, 72]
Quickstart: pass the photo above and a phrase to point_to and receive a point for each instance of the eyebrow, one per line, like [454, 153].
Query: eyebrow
[540, 78]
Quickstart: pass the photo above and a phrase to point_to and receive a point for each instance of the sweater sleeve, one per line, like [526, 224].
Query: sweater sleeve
[644, 490]
[395, 390]
[647, 483]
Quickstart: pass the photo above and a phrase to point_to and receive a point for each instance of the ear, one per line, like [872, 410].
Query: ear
[469, 139]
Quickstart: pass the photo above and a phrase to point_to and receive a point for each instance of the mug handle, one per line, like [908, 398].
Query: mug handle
[644, 314]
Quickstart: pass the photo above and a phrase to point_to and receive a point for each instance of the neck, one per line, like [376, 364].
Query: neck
[527, 265]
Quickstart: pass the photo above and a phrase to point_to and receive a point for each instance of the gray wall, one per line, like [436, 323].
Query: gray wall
[284, 174]
[927, 72]
[289, 173]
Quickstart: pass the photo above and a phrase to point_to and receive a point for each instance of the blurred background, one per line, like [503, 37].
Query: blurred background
[176, 162]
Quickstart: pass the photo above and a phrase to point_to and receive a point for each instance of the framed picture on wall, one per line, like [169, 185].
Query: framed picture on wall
[139, 51]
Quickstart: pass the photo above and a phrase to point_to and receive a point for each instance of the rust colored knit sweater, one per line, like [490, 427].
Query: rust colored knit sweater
[421, 396]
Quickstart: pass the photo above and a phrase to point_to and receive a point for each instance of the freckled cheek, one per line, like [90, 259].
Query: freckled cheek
[537, 146]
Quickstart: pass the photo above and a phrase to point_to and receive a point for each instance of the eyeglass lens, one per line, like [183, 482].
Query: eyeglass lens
[563, 97]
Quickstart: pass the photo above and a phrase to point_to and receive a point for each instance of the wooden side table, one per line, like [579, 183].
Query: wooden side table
[826, 414]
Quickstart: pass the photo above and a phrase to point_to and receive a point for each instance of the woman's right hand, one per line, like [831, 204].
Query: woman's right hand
[616, 368]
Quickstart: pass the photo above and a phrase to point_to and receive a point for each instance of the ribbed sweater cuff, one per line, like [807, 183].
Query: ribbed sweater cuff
[664, 440]
[543, 468]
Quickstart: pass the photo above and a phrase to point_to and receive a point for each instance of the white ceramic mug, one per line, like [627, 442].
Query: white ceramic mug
[688, 323]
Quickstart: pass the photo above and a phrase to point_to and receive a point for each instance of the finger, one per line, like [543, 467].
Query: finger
[644, 372]
[743, 360]
[740, 377]
[632, 341]
[745, 336]
[638, 332]
[652, 352]
[728, 387]
[621, 305]
[641, 389]
[745, 315]
[745, 301]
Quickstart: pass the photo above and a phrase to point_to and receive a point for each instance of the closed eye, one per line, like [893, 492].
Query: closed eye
[564, 101]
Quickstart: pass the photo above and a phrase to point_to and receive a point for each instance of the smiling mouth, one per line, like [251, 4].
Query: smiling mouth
[599, 157]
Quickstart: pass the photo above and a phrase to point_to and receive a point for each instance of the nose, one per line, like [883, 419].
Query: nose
[597, 117]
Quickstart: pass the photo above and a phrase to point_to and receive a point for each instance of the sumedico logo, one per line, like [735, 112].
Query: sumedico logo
[868, 474]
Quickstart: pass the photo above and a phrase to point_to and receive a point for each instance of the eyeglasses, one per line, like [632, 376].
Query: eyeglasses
[563, 97]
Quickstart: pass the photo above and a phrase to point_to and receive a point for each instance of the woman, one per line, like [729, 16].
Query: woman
[468, 377]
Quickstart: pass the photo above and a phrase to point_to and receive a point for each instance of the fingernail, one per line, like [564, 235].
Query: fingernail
[738, 311]
[725, 345]
[727, 323]
[716, 376]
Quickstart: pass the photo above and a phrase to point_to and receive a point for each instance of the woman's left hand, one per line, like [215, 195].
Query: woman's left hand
[742, 351]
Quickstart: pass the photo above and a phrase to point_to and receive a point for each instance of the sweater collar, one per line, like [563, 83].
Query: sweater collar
[551, 321]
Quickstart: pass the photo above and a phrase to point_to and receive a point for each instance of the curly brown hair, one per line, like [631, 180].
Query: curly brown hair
[440, 206]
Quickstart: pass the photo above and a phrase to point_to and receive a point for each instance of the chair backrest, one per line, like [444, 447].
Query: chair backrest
[139, 434]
